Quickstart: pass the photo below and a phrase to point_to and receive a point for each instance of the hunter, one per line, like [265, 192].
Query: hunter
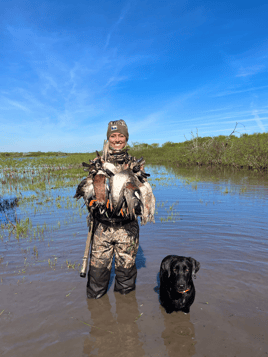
[116, 235]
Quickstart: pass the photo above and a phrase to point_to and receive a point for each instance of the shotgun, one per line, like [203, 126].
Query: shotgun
[83, 272]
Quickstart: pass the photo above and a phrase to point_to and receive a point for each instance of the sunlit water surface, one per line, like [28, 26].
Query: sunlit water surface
[218, 218]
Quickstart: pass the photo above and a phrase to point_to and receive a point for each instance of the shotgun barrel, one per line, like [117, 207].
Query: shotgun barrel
[83, 272]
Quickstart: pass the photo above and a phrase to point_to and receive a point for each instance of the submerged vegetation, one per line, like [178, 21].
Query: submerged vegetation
[27, 172]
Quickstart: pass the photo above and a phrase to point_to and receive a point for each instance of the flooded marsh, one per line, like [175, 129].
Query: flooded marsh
[217, 217]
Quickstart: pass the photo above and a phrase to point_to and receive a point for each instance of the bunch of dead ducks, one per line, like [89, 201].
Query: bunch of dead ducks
[109, 190]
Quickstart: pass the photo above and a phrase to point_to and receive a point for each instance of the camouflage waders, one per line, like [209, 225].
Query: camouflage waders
[121, 241]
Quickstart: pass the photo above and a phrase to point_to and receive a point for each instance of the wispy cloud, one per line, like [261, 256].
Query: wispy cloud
[66, 92]
[114, 80]
[249, 62]
[146, 123]
[123, 13]
[231, 121]
[250, 71]
[258, 120]
[65, 76]
[238, 91]
[17, 105]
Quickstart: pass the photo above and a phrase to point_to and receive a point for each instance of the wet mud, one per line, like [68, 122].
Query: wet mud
[44, 309]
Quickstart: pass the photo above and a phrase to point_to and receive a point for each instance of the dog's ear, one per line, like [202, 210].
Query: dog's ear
[195, 266]
[165, 267]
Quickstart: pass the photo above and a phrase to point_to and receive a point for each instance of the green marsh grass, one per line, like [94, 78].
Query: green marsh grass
[247, 151]
[171, 214]
[74, 266]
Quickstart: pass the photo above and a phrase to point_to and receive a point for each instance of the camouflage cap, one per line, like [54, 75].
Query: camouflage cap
[117, 126]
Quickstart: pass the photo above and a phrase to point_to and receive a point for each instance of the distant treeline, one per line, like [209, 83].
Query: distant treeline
[32, 154]
[246, 151]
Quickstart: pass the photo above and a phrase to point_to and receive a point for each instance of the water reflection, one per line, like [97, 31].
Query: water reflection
[8, 209]
[179, 333]
[223, 180]
[140, 259]
[215, 174]
[114, 334]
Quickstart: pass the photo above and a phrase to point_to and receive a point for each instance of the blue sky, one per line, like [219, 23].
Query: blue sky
[166, 68]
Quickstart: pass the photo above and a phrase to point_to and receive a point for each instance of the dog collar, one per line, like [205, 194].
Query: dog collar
[183, 291]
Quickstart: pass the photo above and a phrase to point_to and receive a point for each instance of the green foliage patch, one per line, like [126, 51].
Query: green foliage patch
[246, 151]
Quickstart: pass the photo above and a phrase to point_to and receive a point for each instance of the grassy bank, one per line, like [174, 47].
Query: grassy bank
[247, 151]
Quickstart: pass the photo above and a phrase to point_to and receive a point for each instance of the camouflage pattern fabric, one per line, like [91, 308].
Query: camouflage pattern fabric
[121, 241]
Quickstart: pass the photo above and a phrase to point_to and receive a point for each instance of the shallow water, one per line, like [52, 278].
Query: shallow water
[217, 218]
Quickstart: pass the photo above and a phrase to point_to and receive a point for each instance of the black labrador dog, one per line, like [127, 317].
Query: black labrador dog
[177, 292]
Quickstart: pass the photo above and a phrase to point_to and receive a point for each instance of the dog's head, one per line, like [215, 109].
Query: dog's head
[181, 270]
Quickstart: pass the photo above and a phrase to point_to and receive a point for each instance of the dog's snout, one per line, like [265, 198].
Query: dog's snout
[181, 287]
